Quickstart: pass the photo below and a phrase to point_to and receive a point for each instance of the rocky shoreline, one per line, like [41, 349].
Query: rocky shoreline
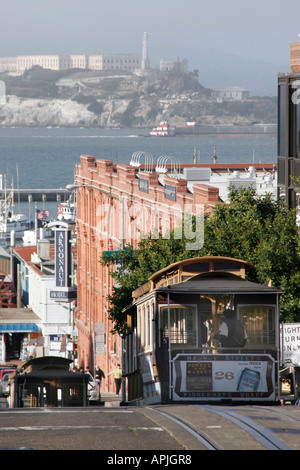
[40, 98]
[18, 112]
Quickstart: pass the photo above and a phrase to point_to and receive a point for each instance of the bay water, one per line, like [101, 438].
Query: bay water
[45, 158]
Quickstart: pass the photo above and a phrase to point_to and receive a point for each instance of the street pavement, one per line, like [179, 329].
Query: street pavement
[180, 429]
[108, 427]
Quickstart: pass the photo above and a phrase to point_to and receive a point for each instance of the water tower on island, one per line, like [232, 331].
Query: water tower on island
[145, 65]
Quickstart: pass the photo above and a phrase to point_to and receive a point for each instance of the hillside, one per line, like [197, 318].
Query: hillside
[86, 98]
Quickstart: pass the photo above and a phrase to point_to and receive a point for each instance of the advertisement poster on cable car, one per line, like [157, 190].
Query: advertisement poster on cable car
[223, 376]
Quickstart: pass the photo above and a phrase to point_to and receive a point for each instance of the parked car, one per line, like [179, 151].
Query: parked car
[4, 382]
[93, 390]
[4, 385]
[4, 370]
[2, 367]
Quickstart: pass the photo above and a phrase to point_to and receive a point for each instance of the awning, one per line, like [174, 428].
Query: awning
[18, 328]
[18, 320]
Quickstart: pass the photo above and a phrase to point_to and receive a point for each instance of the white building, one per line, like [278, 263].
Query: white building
[2, 98]
[261, 177]
[38, 292]
[172, 65]
[26, 62]
[8, 64]
[79, 61]
[120, 62]
[230, 93]
[22, 63]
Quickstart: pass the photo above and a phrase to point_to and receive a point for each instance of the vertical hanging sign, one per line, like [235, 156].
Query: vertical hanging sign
[62, 258]
[99, 338]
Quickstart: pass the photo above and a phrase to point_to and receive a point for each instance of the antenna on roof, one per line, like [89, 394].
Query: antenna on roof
[214, 156]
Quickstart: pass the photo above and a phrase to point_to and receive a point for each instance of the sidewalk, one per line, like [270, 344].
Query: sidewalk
[110, 399]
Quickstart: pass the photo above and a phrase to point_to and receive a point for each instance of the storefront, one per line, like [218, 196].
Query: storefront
[18, 326]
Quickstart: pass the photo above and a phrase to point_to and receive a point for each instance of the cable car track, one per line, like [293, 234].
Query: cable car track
[286, 416]
[259, 434]
[195, 432]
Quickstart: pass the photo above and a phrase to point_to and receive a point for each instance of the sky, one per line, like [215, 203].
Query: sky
[257, 30]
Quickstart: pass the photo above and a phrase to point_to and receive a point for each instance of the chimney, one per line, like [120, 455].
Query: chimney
[43, 249]
[295, 56]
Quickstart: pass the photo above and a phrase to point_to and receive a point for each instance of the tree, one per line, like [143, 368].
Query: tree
[131, 268]
[263, 232]
[250, 227]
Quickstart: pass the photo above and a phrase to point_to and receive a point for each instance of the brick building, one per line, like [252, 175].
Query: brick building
[117, 204]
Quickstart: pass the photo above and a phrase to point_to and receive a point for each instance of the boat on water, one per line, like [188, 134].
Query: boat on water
[13, 222]
[9, 221]
[66, 211]
[190, 123]
[12, 228]
[161, 131]
[192, 128]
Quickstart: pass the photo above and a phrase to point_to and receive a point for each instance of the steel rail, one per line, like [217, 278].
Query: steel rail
[209, 443]
[280, 413]
[262, 434]
[258, 432]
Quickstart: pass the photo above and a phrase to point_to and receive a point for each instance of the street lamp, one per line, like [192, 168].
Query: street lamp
[71, 187]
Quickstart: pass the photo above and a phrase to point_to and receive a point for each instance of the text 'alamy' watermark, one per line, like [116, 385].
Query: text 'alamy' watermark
[137, 221]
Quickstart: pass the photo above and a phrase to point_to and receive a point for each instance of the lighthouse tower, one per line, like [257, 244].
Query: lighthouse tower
[145, 60]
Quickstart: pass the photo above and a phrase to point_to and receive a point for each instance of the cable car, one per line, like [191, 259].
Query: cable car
[198, 331]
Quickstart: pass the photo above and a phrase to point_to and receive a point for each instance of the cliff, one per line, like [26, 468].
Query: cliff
[86, 98]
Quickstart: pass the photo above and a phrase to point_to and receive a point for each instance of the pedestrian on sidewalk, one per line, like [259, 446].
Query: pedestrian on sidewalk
[31, 351]
[99, 375]
[118, 378]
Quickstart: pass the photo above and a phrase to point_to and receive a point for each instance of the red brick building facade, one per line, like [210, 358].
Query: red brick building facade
[116, 204]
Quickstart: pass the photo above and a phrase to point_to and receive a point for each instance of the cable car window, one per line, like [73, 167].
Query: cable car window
[260, 323]
[183, 328]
